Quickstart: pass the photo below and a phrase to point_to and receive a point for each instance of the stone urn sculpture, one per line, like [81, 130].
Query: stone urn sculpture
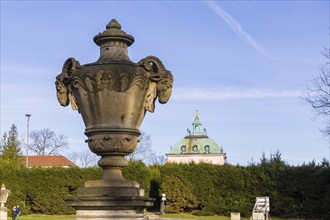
[113, 95]
[4, 193]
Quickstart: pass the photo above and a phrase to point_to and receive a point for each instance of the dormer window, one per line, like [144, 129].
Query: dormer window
[195, 148]
[207, 149]
[183, 148]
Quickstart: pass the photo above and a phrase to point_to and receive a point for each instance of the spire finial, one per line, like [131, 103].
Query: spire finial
[196, 114]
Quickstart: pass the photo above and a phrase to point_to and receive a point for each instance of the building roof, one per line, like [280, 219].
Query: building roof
[49, 161]
[196, 141]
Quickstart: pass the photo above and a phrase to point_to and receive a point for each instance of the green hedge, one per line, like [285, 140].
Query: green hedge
[211, 188]
[299, 192]
[294, 191]
[42, 190]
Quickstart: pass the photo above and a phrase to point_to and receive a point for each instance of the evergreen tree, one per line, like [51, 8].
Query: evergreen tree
[10, 149]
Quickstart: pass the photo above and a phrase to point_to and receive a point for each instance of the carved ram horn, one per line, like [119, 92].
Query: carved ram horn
[161, 82]
[63, 90]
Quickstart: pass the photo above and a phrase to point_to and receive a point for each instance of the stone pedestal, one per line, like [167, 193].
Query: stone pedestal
[103, 200]
[110, 208]
[3, 213]
[235, 216]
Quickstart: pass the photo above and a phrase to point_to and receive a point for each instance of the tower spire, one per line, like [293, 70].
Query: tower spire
[197, 125]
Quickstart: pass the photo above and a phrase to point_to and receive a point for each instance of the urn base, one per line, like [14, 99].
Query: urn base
[3, 213]
[110, 207]
[107, 200]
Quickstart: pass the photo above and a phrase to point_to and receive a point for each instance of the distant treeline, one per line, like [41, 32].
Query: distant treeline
[203, 189]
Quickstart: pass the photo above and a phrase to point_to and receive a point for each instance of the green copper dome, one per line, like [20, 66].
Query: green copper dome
[196, 142]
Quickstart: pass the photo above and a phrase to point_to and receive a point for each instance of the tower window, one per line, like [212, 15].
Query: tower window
[207, 149]
[195, 148]
[183, 148]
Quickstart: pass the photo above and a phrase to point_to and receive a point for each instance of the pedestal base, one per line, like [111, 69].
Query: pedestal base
[109, 201]
[3, 213]
[110, 208]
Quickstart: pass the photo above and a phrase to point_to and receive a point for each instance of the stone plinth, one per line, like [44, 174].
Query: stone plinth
[110, 207]
[102, 200]
[235, 216]
[3, 213]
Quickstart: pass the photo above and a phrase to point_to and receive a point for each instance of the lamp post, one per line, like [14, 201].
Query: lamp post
[27, 140]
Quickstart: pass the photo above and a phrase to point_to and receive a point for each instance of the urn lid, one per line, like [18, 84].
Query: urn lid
[113, 32]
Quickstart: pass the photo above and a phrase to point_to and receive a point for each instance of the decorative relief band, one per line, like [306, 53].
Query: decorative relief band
[107, 80]
[112, 143]
[149, 75]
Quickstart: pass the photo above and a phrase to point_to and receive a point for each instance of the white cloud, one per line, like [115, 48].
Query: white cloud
[232, 93]
[237, 28]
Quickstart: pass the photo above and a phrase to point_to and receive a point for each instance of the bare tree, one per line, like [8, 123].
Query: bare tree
[158, 159]
[143, 150]
[84, 158]
[318, 95]
[45, 142]
[73, 157]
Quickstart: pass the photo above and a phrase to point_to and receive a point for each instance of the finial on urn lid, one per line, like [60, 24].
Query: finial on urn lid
[113, 24]
[113, 32]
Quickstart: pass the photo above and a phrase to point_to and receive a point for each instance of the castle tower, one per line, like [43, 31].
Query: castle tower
[196, 147]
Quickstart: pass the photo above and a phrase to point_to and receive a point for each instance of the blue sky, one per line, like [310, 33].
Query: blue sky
[242, 64]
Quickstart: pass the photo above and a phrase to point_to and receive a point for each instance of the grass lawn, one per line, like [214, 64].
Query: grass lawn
[47, 217]
[70, 217]
[179, 216]
[189, 216]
